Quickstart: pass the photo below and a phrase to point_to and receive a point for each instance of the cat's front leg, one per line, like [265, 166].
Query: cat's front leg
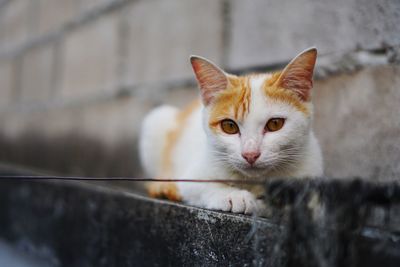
[220, 197]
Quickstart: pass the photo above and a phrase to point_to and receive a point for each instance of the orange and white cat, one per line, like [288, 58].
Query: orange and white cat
[244, 127]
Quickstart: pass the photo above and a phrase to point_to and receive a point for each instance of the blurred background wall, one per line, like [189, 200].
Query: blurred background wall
[77, 76]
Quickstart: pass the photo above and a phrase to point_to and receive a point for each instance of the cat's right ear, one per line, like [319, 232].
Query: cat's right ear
[210, 78]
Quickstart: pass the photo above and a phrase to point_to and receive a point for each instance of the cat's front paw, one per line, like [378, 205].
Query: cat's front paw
[237, 201]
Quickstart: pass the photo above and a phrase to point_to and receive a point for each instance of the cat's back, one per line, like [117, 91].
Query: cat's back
[168, 139]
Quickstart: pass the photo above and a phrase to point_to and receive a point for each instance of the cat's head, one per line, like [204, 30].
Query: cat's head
[258, 124]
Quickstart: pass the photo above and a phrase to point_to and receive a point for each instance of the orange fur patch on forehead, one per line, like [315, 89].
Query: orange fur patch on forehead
[233, 102]
[283, 95]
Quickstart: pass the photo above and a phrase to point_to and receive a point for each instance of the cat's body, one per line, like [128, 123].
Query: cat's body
[244, 128]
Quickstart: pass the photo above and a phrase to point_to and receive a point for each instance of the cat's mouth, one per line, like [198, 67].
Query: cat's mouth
[252, 166]
[252, 170]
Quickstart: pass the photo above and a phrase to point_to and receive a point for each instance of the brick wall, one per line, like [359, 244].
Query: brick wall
[78, 76]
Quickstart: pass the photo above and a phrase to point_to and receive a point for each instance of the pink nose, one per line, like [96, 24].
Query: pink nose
[251, 157]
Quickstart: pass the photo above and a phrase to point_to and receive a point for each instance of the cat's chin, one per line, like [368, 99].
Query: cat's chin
[253, 171]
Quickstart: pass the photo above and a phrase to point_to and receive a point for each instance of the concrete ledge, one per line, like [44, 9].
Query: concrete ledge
[90, 225]
[15, 258]
[331, 222]
[324, 223]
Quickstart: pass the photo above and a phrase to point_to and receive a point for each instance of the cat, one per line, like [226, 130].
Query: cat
[242, 127]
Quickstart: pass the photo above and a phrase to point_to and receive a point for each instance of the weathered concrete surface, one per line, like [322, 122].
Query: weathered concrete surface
[89, 225]
[159, 46]
[79, 141]
[12, 257]
[71, 154]
[37, 75]
[97, 138]
[90, 58]
[15, 23]
[86, 140]
[109, 121]
[357, 121]
[51, 15]
[329, 221]
[316, 223]
[7, 82]
[274, 31]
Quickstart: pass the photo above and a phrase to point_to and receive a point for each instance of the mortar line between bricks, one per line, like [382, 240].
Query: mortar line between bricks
[226, 31]
[80, 20]
[119, 93]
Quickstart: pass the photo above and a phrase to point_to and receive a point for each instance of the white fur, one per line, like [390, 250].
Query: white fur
[156, 124]
[292, 151]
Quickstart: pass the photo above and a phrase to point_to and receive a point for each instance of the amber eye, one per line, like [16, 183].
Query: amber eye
[229, 126]
[274, 124]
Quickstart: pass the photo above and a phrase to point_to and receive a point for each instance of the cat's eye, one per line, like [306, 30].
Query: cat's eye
[274, 124]
[229, 126]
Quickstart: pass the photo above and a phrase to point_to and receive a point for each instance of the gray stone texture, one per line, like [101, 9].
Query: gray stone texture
[17, 257]
[114, 120]
[264, 32]
[90, 58]
[37, 74]
[90, 5]
[108, 227]
[52, 15]
[108, 121]
[357, 122]
[161, 35]
[95, 139]
[7, 83]
[16, 23]
[90, 224]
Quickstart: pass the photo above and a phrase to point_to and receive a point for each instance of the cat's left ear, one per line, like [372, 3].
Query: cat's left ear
[298, 74]
[210, 78]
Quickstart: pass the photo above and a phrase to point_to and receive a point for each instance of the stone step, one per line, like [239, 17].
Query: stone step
[91, 224]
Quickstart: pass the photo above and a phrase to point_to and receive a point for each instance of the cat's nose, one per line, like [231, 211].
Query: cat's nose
[251, 157]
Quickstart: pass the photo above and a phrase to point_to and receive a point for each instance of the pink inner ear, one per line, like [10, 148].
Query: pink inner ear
[297, 76]
[211, 79]
[299, 80]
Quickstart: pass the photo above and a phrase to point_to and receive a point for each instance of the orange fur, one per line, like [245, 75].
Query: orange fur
[233, 102]
[166, 190]
[286, 96]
